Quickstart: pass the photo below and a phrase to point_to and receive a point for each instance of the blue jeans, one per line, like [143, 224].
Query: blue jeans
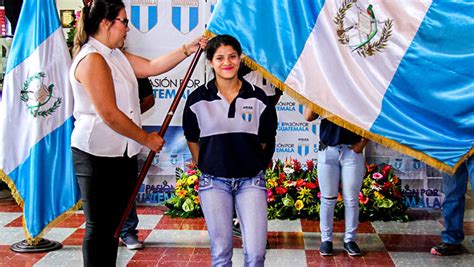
[130, 226]
[455, 188]
[335, 164]
[248, 195]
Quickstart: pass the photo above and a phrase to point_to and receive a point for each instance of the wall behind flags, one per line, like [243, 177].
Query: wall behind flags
[159, 26]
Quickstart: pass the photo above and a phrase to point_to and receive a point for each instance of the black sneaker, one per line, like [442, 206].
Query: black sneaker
[352, 248]
[326, 248]
[445, 249]
[132, 242]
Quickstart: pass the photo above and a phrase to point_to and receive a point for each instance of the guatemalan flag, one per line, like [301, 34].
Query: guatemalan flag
[36, 124]
[398, 72]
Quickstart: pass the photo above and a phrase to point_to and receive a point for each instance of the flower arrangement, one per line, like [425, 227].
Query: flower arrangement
[72, 31]
[185, 201]
[293, 192]
[381, 197]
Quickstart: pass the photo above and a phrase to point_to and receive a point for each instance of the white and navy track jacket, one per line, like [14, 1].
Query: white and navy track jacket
[229, 135]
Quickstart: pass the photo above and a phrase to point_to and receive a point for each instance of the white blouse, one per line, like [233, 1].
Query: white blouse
[91, 134]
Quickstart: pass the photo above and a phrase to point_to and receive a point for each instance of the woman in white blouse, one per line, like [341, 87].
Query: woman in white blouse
[107, 135]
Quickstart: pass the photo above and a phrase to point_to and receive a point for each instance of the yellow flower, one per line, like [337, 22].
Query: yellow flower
[303, 192]
[197, 200]
[272, 183]
[378, 195]
[178, 184]
[299, 204]
[181, 193]
[191, 179]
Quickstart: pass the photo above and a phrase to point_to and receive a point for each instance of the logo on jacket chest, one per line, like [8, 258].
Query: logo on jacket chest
[247, 113]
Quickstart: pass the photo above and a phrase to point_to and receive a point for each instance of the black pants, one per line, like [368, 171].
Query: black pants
[106, 185]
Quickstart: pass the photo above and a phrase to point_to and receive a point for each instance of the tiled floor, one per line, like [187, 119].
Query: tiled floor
[184, 242]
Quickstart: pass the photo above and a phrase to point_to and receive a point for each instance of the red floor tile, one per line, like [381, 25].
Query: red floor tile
[143, 234]
[285, 240]
[340, 258]
[468, 227]
[378, 259]
[18, 222]
[9, 206]
[74, 221]
[420, 214]
[201, 256]
[237, 242]
[151, 210]
[409, 243]
[313, 226]
[10, 258]
[162, 255]
[167, 222]
[314, 259]
[75, 239]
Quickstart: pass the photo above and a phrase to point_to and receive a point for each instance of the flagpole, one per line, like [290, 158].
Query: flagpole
[163, 129]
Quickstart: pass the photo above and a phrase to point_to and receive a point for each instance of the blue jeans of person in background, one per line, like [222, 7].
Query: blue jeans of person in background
[335, 164]
[130, 226]
[455, 188]
[248, 195]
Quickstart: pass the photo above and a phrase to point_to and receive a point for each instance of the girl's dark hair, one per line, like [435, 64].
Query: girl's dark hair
[219, 41]
[93, 12]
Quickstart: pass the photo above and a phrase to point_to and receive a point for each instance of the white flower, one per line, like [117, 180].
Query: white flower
[288, 170]
[376, 186]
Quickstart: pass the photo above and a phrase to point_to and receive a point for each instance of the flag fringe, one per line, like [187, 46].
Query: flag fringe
[19, 200]
[61, 218]
[4, 177]
[351, 127]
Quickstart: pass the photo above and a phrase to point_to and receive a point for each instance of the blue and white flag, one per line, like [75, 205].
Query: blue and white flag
[398, 72]
[36, 111]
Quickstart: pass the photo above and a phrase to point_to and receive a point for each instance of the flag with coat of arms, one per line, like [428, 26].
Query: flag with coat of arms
[397, 72]
[36, 123]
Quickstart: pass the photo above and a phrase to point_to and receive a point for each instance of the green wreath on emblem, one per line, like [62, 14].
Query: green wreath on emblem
[370, 48]
[42, 96]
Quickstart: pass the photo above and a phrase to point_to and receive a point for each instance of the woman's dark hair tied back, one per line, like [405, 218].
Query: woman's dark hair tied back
[93, 12]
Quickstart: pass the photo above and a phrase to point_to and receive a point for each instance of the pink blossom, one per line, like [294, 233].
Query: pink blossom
[269, 193]
[377, 176]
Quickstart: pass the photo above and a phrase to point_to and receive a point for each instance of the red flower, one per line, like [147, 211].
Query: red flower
[310, 185]
[282, 177]
[300, 183]
[310, 165]
[370, 167]
[296, 165]
[387, 185]
[280, 190]
[196, 187]
[363, 199]
[386, 170]
[269, 193]
[270, 199]
[191, 172]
